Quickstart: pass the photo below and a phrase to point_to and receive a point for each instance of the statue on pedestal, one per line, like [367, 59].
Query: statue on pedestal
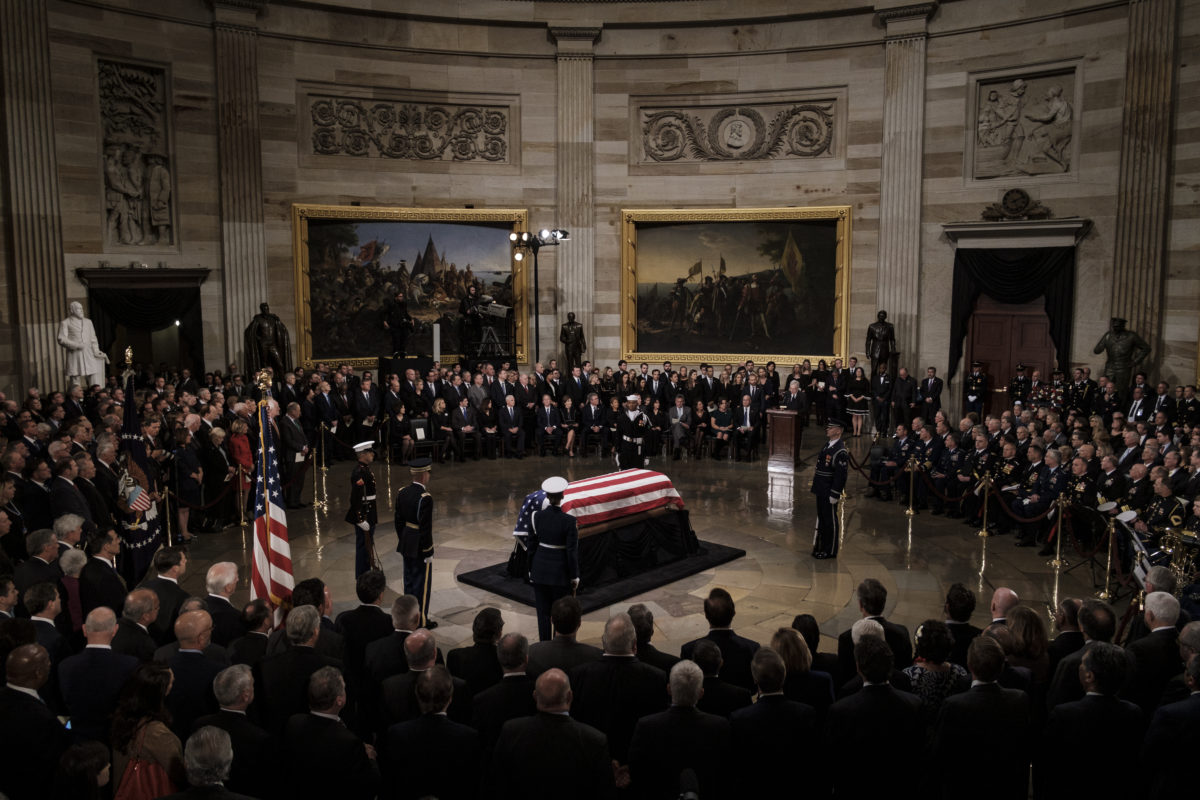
[267, 343]
[85, 360]
[574, 344]
[881, 342]
[1125, 352]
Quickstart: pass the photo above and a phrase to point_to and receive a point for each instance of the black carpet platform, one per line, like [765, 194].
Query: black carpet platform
[615, 588]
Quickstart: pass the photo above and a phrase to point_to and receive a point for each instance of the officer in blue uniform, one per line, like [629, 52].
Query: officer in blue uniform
[414, 533]
[362, 513]
[975, 390]
[554, 559]
[828, 482]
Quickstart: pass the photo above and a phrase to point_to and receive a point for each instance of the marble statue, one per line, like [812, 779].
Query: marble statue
[85, 359]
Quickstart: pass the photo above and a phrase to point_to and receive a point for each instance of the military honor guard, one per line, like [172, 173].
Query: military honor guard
[976, 388]
[829, 480]
[414, 531]
[362, 513]
[1019, 387]
[633, 427]
[554, 554]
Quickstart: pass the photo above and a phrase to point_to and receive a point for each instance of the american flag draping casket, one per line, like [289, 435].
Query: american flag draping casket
[593, 501]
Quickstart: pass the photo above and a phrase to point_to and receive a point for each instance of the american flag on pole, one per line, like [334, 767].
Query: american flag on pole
[271, 572]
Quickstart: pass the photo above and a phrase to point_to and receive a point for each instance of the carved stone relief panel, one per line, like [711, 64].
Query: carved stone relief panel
[779, 127]
[1024, 122]
[409, 127]
[139, 198]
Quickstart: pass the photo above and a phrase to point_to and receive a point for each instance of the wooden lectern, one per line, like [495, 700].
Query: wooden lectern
[783, 440]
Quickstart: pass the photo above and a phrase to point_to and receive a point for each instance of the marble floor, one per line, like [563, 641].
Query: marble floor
[769, 515]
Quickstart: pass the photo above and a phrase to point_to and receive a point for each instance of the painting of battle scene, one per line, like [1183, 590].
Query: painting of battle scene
[356, 265]
[715, 287]
[1025, 126]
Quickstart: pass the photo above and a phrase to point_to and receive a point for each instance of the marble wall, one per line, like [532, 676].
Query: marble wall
[502, 49]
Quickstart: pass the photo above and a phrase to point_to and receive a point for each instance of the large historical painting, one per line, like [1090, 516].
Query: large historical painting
[726, 285]
[351, 261]
[1025, 123]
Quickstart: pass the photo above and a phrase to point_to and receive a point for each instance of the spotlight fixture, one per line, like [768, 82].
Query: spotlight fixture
[523, 241]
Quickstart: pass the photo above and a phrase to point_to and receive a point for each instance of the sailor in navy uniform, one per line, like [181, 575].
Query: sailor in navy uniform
[554, 563]
[632, 429]
[828, 482]
[362, 512]
[414, 532]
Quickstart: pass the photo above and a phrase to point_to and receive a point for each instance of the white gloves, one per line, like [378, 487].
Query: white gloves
[429, 560]
[362, 526]
[833, 498]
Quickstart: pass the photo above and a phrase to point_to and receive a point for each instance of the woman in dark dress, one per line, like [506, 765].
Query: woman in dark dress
[858, 397]
[401, 433]
[439, 421]
[489, 427]
[569, 423]
[721, 423]
[701, 425]
[219, 470]
[820, 378]
[658, 424]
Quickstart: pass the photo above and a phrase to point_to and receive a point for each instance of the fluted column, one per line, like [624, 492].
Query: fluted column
[39, 274]
[243, 246]
[575, 180]
[1143, 183]
[899, 260]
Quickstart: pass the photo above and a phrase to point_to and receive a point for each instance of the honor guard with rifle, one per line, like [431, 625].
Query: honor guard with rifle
[1018, 387]
[829, 480]
[414, 533]
[362, 513]
[976, 388]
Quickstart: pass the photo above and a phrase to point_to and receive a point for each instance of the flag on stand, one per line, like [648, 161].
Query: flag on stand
[271, 572]
[696, 269]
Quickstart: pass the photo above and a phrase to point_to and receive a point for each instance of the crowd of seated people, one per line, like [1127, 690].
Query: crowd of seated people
[186, 693]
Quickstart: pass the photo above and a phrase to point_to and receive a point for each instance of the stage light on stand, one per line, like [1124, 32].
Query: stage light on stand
[522, 241]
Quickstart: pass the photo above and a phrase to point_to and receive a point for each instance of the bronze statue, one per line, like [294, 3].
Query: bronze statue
[1125, 352]
[267, 343]
[574, 344]
[881, 342]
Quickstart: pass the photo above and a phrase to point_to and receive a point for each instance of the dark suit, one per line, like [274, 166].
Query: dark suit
[964, 633]
[191, 694]
[537, 757]
[323, 758]
[448, 755]
[512, 697]
[931, 398]
[612, 693]
[97, 505]
[1069, 742]
[214, 791]
[879, 721]
[1063, 645]
[562, 652]
[679, 738]
[282, 683]
[29, 751]
[227, 620]
[91, 683]
[170, 598]
[813, 688]
[651, 655]
[773, 731]
[721, 698]
[254, 764]
[1065, 686]
[1155, 660]
[477, 664]
[360, 627]
[65, 498]
[33, 571]
[741, 419]
[398, 701]
[101, 585]
[736, 651]
[894, 634]
[1171, 743]
[986, 719]
[133, 640]
[385, 657]
[249, 649]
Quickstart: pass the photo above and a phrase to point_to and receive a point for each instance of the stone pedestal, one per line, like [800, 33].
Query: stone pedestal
[243, 248]
[32, 167]
[575, 181]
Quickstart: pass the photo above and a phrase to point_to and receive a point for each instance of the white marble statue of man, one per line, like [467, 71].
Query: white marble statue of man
[85, 359]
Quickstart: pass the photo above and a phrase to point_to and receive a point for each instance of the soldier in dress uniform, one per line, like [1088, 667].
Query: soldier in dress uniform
[1140, 491]
[1112, 483]
[1039, 391]
[1080, 491]
[828, 482]
[1165, 511]
[1052, 481]
[895, 460]
[1187, 412]
[554, 559]
[1058, 391]
[979, 466]
[928, 452]
[414, 535]
[1018, 388]
[1007, 472]
[976, 388]
[632, 429]
[362, 512]
[949, 478]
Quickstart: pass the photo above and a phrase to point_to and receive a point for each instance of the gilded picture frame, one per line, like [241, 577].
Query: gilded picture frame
[357, 255]
[708, 285]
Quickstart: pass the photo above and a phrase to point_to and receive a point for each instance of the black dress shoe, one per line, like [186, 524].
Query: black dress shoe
[822, 555]
[430, 625]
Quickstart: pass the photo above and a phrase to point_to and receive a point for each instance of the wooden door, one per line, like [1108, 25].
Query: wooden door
[1002, 336]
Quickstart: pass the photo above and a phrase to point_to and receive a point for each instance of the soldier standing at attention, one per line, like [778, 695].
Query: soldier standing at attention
[414, 530]
[362, 513]
[976, 389]
[828, 482]
[554, 559]
[1019, 388]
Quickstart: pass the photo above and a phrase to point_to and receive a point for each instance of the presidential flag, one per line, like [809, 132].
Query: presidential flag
[271, 571]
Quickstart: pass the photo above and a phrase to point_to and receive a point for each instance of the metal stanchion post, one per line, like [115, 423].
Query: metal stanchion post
[987, 485]
[241, 495]
[912, 485]
[167, 514]
[324, 444]
[1105, 594]
[1058, 562]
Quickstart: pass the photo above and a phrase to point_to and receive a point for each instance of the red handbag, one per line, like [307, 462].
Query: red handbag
[143, 779]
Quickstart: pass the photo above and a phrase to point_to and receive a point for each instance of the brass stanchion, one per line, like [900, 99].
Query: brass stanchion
[241, 495]
[912, 486]
[318, 475]
[1058, 562]
[324, 444]
[167, 514]
[986, 481]
[1105, 594]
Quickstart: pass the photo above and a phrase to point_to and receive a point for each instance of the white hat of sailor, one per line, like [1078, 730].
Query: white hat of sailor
[554, 485]
[361, 446]
[633, 398]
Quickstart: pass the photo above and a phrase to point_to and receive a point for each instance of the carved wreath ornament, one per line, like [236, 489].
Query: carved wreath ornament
[343, 126]
[739, 133]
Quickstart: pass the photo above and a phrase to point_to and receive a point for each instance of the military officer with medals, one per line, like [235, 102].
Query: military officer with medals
[632, 429]
[1051, 483]
[928, 451]
[948, 477]
[1019, 387]
[1165, 511]
[1140, 491]
[362, 513]
[1112, 484]
[1006, 477]
[1058, 391]
[976, 388]
[979, 466]
[414, 534]
[554, 558]
[896, 460]
[829, 481]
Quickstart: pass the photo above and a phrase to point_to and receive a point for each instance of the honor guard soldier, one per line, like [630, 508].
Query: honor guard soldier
[414, 532]
[362, 513]
[632, 429]
[1018, 388]
[829, 480]
[976, 388]
[1165, 511]
[554, 560]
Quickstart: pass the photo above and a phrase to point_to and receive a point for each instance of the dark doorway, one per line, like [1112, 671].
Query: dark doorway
[1003, 335]
[161, 325]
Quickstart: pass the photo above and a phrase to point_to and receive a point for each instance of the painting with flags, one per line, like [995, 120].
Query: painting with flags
[271, 570]
[138, 500]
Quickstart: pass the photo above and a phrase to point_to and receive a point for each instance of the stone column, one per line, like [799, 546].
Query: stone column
[243, 247]
[574, 185]
[39, 273]
[899, 260]
[1143, 182]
